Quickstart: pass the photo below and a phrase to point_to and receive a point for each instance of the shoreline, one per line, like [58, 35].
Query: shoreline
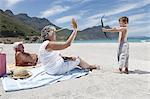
[35, 39]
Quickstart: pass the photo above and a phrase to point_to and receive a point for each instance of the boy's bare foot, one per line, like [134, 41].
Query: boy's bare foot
[126, 71]
[119, 71]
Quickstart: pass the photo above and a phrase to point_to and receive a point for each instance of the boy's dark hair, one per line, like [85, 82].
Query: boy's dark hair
[124, 19]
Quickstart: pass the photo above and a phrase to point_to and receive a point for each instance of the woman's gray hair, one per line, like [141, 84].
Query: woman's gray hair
[45, 32]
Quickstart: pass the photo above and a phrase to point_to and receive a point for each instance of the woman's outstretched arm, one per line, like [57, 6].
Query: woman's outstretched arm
[63, 45]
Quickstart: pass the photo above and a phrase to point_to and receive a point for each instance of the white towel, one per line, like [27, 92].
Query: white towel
[39, 78]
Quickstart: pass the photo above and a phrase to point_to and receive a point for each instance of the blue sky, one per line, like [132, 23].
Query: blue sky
[87, 12]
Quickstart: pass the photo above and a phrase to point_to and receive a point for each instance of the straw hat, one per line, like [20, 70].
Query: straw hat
[21, 74]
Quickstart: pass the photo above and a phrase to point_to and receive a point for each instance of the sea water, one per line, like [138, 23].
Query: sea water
[136, 40]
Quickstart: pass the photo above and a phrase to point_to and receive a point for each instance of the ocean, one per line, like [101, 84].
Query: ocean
[136, 40]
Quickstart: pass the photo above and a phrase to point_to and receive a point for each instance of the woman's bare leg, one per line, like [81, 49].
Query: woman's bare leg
[85, 65]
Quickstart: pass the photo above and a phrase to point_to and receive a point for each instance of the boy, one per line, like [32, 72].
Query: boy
[123, 51]
[22, 58]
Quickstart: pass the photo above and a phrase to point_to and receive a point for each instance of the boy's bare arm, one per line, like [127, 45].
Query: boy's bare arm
[113, 30]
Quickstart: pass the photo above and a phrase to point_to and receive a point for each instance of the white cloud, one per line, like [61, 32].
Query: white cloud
[122, 9]
[138, 24]
[128, 7]
[89, 23]
[112, 23]
[10, 3]
[72, 1]
[83, 1]
[139, 31]
[141, 16]
[54, 10]
[66, 19]
[96, 16]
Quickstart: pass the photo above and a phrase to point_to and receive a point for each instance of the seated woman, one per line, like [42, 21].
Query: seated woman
[22, 58]
[50, 56]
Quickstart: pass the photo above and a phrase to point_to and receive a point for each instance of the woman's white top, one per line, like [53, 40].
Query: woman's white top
[51, 60]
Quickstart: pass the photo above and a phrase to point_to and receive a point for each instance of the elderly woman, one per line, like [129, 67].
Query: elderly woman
[50, 56]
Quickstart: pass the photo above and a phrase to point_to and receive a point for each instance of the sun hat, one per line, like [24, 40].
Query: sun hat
[20, 73]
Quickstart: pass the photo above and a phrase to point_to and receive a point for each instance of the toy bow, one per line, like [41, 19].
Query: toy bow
[103, 25]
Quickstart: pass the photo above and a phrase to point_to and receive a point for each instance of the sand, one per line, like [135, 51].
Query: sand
[99, 84]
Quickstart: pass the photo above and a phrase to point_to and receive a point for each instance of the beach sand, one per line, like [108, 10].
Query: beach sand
[99, 84]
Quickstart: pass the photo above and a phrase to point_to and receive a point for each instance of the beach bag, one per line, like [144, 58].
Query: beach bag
[2, 63]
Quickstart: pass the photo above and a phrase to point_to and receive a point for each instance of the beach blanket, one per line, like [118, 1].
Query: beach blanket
[39, 78]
